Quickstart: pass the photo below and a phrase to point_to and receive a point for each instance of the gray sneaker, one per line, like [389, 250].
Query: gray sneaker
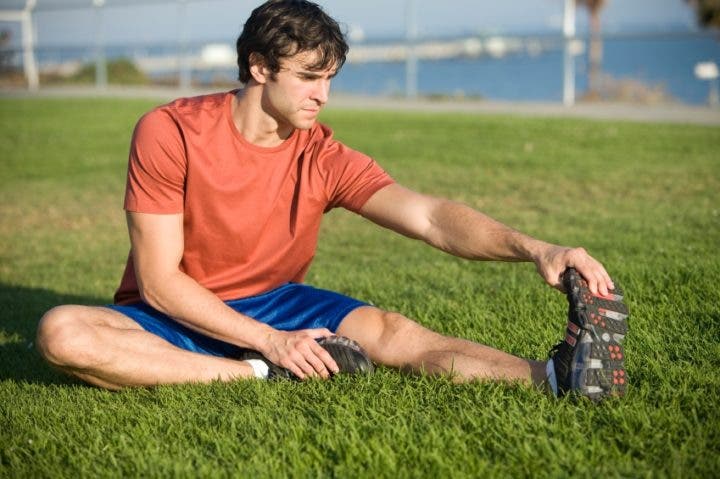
[590, 360]
[350, 357]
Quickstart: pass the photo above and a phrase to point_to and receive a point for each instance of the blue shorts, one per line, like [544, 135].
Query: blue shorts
[290, 307]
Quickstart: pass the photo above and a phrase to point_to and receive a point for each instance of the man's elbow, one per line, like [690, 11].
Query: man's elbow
[147, 296]
[434, 227]
[153, 291]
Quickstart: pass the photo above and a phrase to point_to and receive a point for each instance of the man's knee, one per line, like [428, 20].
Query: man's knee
[62, 336]
[396, 328]
[391, 338]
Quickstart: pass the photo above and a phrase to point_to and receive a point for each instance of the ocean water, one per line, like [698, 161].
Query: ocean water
[658, 62]
[662, 61]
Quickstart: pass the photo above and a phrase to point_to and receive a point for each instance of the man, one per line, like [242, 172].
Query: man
[224, 199]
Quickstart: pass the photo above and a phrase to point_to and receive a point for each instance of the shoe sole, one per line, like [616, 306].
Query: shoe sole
[599, 324]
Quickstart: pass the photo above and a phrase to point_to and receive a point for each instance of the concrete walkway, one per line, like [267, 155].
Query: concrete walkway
[665, 113]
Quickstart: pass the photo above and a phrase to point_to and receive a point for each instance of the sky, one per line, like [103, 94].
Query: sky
[158, 21]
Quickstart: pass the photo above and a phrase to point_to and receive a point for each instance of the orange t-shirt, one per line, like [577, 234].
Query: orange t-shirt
[251, 214]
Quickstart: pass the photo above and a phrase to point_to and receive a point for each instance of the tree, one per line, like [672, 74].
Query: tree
[596, 45]
[707, 12]
[6, 53]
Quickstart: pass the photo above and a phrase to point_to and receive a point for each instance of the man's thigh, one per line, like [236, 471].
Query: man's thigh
[75, 324]
[93, 316]
[390, 338]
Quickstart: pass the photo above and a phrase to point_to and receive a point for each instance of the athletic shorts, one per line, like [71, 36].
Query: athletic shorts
[290, 307]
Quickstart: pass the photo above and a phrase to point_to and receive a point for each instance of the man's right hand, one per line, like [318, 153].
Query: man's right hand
[299, 352]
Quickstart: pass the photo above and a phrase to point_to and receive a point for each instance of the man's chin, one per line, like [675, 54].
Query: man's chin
[305, 125]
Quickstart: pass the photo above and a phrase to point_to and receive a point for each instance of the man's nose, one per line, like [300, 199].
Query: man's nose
[321, 93]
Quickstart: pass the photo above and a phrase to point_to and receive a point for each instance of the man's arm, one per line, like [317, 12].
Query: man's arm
[157, 248]
[462, 231]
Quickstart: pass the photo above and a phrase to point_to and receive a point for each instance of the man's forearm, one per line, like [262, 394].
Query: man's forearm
[467, 233]
[194, 306]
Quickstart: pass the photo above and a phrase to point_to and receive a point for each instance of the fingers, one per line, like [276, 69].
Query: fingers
[601, 283]
[317, 357]
[296, 365]
[323, 359]
[556, 260]
[598, 279]
[594, 284]
[554, 278]
[299, 352]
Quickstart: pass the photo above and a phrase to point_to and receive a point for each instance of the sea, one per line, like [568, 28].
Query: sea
[662, 63]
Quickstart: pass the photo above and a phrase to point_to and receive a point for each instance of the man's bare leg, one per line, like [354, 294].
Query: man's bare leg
[394, 340]
[108, 349]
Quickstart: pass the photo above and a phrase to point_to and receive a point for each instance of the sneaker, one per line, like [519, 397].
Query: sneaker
[590, 360]
[350, 357]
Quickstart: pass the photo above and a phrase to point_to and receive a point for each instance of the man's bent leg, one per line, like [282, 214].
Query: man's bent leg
[108, 349]
[394, 340]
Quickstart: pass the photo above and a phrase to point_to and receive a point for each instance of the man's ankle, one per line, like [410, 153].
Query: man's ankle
[539, 374]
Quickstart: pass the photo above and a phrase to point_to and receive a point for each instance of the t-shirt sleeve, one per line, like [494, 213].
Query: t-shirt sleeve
[156, 167]
[351, 177]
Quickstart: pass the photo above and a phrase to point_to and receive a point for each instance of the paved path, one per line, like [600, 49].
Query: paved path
[666, 113]
[669, 113]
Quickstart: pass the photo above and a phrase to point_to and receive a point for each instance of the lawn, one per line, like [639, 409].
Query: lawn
[644, 198]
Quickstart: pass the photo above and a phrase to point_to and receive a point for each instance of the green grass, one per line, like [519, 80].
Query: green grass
[643, 198]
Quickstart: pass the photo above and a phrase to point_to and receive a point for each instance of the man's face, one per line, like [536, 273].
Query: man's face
[295, 96]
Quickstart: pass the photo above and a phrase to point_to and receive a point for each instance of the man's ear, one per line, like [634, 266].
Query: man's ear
[258, 70]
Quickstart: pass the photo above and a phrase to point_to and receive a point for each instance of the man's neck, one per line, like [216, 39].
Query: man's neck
[255, 124]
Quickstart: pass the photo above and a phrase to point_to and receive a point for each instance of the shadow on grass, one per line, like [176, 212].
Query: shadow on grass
[21, 308]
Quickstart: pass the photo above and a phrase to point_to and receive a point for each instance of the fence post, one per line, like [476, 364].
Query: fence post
[28, 43]
[411, 61]
[184, 67]
[101, 77]
[569, 62]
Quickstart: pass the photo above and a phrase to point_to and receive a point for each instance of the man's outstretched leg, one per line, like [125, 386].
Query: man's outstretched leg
[108, 349]
[394, 340]
[589, 361]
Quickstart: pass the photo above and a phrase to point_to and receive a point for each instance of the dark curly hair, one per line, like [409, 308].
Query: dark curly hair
[280, 29]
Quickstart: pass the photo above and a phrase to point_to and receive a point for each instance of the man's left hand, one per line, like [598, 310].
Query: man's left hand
[552, 262]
